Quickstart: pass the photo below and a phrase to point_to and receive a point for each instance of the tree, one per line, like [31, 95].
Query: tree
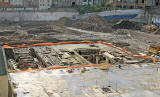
[108, 4]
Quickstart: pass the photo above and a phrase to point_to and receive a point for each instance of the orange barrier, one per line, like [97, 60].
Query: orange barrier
[73, 42]
[49, 43]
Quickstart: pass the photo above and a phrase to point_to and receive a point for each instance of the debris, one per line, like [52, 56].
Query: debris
[21, 33]
[69, 70]
[155, 49]
[104, 67]
[126, 24]
[107, 89]
[83, 70]
[149, 28]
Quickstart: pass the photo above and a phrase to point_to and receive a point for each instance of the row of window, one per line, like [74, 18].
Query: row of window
[137, 1]
[44, 4]
[45, 1]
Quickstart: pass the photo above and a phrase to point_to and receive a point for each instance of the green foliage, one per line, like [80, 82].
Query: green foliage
[89, 8]
[108, 4]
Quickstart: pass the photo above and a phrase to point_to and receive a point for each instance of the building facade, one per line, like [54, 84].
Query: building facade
[4, 4]
[45, 4]
[134, 3]
[74, 3]
[67, 3]
[129, 3]
[17, 3]
[30, 4]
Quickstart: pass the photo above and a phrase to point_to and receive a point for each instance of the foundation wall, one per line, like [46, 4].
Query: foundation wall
[4, 86]
[52, 16]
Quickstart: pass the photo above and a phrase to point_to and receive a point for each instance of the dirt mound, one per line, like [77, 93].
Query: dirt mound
[93, 19]
[158, 32]
[64, 21]
[21, 33]
[125, 24]
[92, 23]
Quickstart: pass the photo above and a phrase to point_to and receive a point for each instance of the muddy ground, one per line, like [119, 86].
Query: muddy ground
[122, 34]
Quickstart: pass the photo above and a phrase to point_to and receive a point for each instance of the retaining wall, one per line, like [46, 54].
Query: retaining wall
[52, 16]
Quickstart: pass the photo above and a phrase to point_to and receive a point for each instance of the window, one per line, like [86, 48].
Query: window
[84, 0]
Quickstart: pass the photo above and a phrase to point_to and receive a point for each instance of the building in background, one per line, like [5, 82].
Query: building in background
[30, 4]
[17, 3]
[75, 3]
[129, 3]
[20, 5]
[87, 2]
[134, 3]
[150, 3]
[67, 3]
[44, 4]
[4, 4]
[157, 2]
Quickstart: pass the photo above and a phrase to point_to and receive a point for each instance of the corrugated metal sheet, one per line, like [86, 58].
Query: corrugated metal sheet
[2, 62]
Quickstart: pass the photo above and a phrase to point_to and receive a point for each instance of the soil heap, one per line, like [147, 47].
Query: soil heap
[92, 23]
[64, 21]
[125, 24]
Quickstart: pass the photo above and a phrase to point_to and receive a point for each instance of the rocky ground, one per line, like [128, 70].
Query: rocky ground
[124, 33]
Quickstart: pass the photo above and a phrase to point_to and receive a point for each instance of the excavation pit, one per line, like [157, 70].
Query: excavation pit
[64, 56]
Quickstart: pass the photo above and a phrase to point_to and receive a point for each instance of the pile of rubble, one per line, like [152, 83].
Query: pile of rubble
[125, 24]
[158, 32]
[64, 21]
[151, 29]
[92, 23]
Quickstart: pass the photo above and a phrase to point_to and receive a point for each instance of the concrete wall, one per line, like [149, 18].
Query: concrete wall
[114, 12]
[52, 16]
[34, 16]
[4, 86]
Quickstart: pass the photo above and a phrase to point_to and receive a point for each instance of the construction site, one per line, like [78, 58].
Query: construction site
[90, 57]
